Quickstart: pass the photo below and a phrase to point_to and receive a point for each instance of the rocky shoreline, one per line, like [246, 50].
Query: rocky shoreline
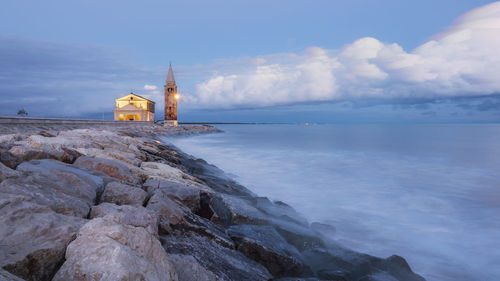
[114, 203]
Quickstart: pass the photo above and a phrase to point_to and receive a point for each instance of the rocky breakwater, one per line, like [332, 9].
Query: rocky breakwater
[117, 204]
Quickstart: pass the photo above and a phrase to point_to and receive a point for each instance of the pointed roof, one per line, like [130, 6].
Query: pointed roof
[128, 97]
[170, 76]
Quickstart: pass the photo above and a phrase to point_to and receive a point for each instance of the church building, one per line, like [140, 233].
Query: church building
[171, 98]
[134, 108]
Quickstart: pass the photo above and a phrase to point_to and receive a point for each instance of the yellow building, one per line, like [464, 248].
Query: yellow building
[134, 108]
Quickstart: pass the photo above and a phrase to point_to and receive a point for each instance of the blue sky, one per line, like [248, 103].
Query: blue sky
[278, 61]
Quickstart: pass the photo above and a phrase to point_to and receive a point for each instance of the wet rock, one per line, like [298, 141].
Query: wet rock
[325, 231]
[298, 235]
[169, 212]
[212, 176]
[33, 238]
[176, 218]
[7, 276]
[231, 210]
[123, 194]
[108, 249]
[279, 210]
[344, 264]
[189, 269]
[263, 244]
[398, 268]
[224, 263]
[109, 167]
[299, 279]
[189, 195]
[129, 215]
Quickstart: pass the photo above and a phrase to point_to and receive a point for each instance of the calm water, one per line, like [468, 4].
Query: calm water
[430, 193]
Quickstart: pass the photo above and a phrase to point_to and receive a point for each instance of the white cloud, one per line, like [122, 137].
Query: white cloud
[462, 61]
[150, 87]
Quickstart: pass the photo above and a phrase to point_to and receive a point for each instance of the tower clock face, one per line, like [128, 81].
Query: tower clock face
[170, 90]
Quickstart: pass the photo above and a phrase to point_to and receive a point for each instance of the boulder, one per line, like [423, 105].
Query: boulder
[129, 215]
[323, 229]
[33, 238]
[111, 154]
[20, 153]
[60, 186]
[56, 170]
[189, 269]
[176, 218]
[6, 172]
[224, 263]
[160, 171]
[107, 248]
[263, 244]
[209, 174]
[169, 212]
[7, 138]
[109, 167]
[279, 210]
[230, 210]
[397, 267]
[40, 147]
[338, 263]
[189, 195]
[123, 194]
[298, 235]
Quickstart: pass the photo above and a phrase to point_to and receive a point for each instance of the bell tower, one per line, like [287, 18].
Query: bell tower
[171, 97]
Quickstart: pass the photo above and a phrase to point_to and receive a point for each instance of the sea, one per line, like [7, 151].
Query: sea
[427, 192]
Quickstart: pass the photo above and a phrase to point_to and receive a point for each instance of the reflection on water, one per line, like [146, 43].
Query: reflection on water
[430, 193]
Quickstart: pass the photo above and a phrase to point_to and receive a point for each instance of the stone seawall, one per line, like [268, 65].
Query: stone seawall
[5, 120]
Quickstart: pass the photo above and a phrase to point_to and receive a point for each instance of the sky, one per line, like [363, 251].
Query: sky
[255, 61]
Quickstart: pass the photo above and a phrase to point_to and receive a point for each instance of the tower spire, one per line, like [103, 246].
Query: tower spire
[170, 76]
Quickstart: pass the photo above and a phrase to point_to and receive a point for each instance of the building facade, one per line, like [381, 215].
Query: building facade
[171, 98]
[133, 107]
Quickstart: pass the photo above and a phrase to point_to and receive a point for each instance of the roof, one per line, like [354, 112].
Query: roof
[170, 75]
[132, 94]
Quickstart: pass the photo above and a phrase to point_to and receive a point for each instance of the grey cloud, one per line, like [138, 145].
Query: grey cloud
[52, 79]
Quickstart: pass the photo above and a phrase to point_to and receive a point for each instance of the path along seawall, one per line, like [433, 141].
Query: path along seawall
[105, 200]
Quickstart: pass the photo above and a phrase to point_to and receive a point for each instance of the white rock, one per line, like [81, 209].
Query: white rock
[130, 215]
[7, 138]
[105, 249]
[160, 171]
[33, 238]
[111, 168]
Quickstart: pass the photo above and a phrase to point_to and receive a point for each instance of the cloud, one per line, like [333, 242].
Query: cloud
[53, 79]
[459, 62]
[150, 87]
